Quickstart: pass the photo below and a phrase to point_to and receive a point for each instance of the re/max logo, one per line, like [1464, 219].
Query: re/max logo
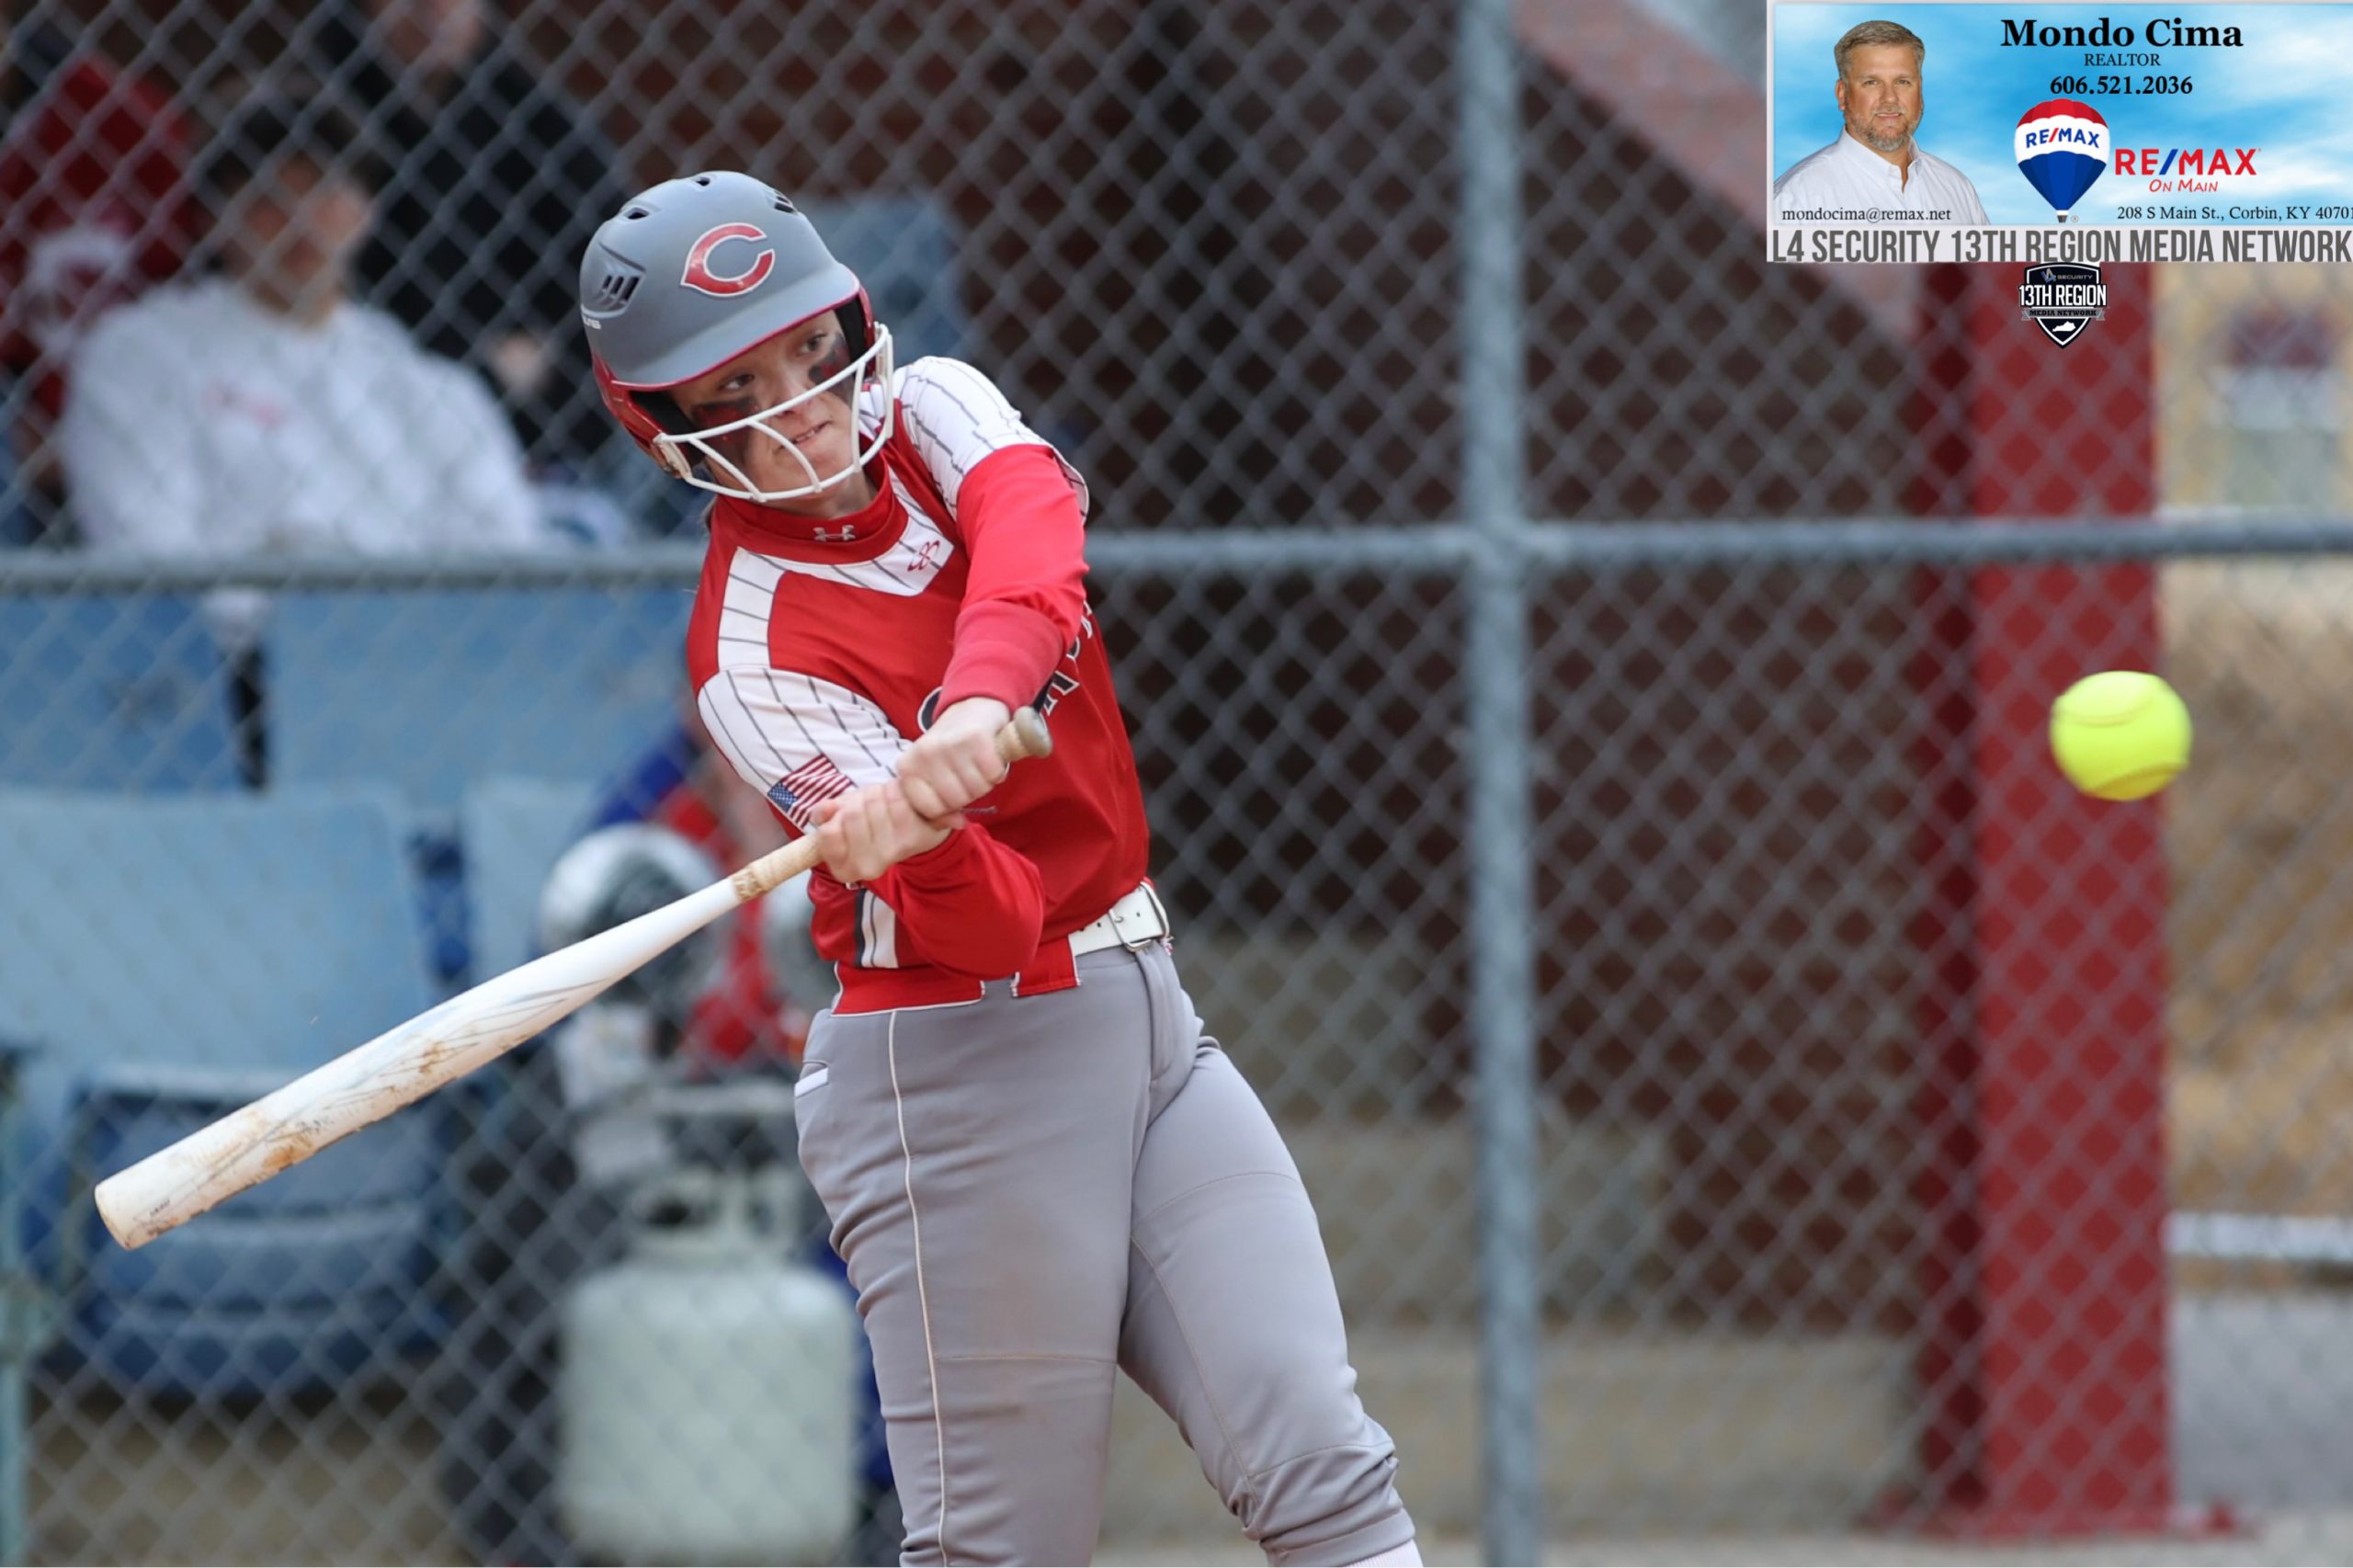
[2185, 160]
[2053, 135]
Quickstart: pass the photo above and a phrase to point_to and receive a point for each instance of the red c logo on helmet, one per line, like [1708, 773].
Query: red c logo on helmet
[699, 275]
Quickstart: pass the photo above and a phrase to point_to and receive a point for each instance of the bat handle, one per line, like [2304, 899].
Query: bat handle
[1024, 736]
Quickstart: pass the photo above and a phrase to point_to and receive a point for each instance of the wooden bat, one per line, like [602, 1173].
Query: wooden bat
[364, 1086]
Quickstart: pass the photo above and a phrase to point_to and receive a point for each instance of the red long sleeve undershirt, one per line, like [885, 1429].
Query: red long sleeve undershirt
[1026, 594]
[973, 904]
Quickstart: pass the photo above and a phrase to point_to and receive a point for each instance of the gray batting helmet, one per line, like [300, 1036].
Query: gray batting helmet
[694, 272]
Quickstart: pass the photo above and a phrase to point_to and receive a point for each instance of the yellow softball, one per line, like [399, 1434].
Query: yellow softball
[2120, 734]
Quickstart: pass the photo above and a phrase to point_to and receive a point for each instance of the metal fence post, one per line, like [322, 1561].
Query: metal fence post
[1502, 894]
[23, 1318]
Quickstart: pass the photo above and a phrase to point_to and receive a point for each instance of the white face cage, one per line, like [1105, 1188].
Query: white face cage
[681, 454]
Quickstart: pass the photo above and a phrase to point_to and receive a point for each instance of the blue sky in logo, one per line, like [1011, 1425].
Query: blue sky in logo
[2283, 91]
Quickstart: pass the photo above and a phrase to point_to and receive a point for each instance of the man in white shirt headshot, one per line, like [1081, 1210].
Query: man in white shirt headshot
[264, 411]
[1877, 168]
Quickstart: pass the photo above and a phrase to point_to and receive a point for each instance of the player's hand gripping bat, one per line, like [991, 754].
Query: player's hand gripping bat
[470, 1030]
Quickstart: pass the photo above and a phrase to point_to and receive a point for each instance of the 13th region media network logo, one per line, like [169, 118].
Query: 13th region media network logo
[2063, 298]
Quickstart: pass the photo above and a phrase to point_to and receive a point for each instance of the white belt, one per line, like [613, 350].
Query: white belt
[1135, 922]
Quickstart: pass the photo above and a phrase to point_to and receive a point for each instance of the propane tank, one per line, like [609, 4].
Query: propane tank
[705, 1403]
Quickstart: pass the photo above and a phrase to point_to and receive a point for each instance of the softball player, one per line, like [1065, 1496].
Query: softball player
[1038, 1166]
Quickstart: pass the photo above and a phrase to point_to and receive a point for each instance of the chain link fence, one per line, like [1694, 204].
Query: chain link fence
[1812, 1132]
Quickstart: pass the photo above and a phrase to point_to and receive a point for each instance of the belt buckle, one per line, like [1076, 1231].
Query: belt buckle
[1138, 944]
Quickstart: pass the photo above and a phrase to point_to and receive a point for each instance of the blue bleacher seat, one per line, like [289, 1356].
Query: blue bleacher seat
[174, 958]
[245, 1355]
[514, 830]
[112, 692]
[426, 692]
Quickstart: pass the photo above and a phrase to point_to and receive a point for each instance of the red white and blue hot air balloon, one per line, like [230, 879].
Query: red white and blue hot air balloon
[2061, 147]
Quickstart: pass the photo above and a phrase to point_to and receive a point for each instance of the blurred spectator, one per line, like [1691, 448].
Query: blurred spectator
[93, 208]
[539, 1226]
[263, 412]
[542, 1215]
[495, 182]
[751, 1017]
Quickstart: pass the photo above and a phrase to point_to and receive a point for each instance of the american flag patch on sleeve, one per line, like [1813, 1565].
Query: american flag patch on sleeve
[798, 791]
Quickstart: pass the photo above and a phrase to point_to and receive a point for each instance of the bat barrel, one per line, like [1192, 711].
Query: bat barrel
[396, 1069]
[177, 1183]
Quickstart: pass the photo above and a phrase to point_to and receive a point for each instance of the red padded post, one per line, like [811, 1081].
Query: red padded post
[2044, 1282]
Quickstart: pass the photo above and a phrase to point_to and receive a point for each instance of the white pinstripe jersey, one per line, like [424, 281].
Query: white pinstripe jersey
[817, 652]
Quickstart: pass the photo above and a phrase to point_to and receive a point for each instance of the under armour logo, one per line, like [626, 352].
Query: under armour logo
[924, 556]
[843, 537]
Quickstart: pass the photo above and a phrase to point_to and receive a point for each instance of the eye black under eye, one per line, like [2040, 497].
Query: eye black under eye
[725, 411]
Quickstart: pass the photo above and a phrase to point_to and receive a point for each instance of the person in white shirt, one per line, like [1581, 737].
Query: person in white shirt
[266, 411]
[263, 411]
[1876, 166]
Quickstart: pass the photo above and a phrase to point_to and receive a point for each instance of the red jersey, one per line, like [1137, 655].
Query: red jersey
[818, 650]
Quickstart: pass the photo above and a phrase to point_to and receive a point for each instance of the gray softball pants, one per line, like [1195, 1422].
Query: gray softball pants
[1032, 1192]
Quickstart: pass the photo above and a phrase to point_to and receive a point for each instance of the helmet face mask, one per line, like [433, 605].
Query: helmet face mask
[715, 457]
[691, 274]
